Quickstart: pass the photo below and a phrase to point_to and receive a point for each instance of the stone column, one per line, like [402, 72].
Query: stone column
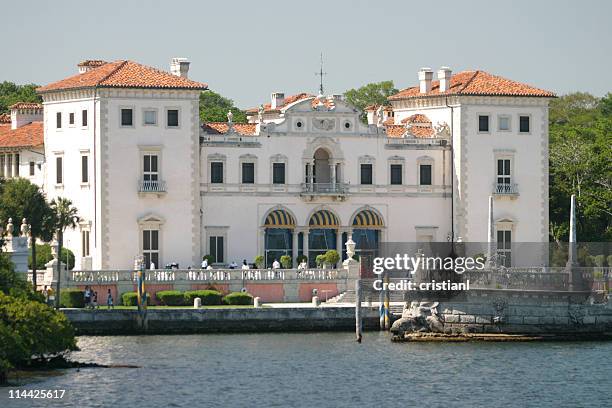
[572, 255]
[294, 246]
[311, 176]
[339, 242]
[15, 166]
[332, 172]
[491, 236]
[261, 241]
[7, 169]
[305, 244]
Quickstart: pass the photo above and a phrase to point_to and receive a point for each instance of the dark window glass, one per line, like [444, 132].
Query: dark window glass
[17, 165]
[58, 120]
[84, 117]
[366, 174]
[248, 173]
[278, 173]
[173, 117]
[58, 170]
[216, 172]
[396, 174]
[216, 249]
[84, 169]
[524, 124]
[425, 173]
[71, 118]
[503, 171]
[31, 168]
[483, 123]
[126, 117]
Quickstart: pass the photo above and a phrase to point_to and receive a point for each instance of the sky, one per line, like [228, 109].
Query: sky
[247, 49]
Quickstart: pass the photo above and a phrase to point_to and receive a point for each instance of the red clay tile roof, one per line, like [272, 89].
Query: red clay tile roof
[124, 74]
[389, 121]
[476, 83]
[386, 108]
[30, 135]
[288, 100]
[219, 128]
[91, 63]
[417, 118]
[395, 130]
[26, 105]
[5, 118]
[421, 131]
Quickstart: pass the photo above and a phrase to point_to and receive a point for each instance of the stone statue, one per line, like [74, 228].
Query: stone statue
[419, 317]
[379, 115]
[230, 116]
[442, 129]
[9, 228]
[25, 229]
[260, 113]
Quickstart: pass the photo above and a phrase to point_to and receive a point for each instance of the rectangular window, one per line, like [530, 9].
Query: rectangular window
[58, 120]
[524, 124]
[84, 117]
[2, 161]
[85, 243]
[173, 117]
[248, 173]
[71, 118]
[396, 174]
[483, 123]
[17, 165]
[503, 171]
[127, 117]
[216, 172]
[425, 174]
[504, 247]
[504, 123]
[150, 170]
[366, 174]
[32, 168]
[150, 117]
[9, 165]
[59, 177]
[278, 173]
[84, 169]
[216, 249]
[150, 247]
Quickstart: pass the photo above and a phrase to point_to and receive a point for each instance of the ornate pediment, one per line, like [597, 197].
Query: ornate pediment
[326, 124]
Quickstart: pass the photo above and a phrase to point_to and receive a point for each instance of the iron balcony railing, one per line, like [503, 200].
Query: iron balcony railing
[325, 188]
[151, 186]
[505, 188]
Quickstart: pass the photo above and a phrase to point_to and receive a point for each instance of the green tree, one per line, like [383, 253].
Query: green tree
[65, 215]
[214, 108]
[21, 199]
[10, 93]
[370, 94]
[44, 255]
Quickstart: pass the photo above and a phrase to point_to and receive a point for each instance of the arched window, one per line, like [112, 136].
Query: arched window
[279, 225]
[322, 236]
[367, 225]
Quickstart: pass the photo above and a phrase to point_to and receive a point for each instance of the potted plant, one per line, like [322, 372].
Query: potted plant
[332, 257]
[259, 261]
[320, 261]
[285, 261]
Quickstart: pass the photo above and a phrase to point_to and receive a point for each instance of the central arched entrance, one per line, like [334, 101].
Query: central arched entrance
[321, 172]
[323, 233]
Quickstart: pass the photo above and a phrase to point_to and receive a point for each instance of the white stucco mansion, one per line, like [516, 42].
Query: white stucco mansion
[124, 142]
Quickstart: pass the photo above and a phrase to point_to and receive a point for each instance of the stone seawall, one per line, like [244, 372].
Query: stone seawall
[181, 321]
[522, 312]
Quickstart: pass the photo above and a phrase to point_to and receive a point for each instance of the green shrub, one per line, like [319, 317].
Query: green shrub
[609, 260]
[259, 261]
[599, 260]
[285, 261]
[171, 297]
[43, 256]
[320, 260]
[209, 259]
[238, 298]
[209, 297]
[129, 299]
[332, 257]
[72, 298]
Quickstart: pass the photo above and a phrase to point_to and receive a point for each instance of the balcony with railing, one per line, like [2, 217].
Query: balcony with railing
[332, 189]
[152, 186]
[508, 189]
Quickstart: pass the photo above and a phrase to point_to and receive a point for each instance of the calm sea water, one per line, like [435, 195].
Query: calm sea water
[327, 369]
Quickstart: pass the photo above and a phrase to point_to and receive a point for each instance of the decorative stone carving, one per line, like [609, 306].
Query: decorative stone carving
[442, 129]
[25, 229]
[260, 113]
[499, 304]
[576, 313]
[230, 117]
[9, 228]
[324, 124]
[379, 115]
[419, 317]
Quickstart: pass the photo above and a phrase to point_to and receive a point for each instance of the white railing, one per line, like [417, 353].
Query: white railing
[152, 186]
[325, 188]
[206, 275]
[399, 141]
[505, 189]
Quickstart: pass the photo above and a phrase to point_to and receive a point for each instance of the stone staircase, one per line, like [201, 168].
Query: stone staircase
[350, 297]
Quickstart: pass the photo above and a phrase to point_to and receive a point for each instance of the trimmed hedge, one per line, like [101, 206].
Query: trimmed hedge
[209, 297]
[238, 298]
[171, 297]
[72, 298]
[129, 299]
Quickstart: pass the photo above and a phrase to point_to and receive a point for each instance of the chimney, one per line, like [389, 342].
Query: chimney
[444, 76]
[278, 98]
[425, 77]
[88, 65]
[179, 67]
[23, 113]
